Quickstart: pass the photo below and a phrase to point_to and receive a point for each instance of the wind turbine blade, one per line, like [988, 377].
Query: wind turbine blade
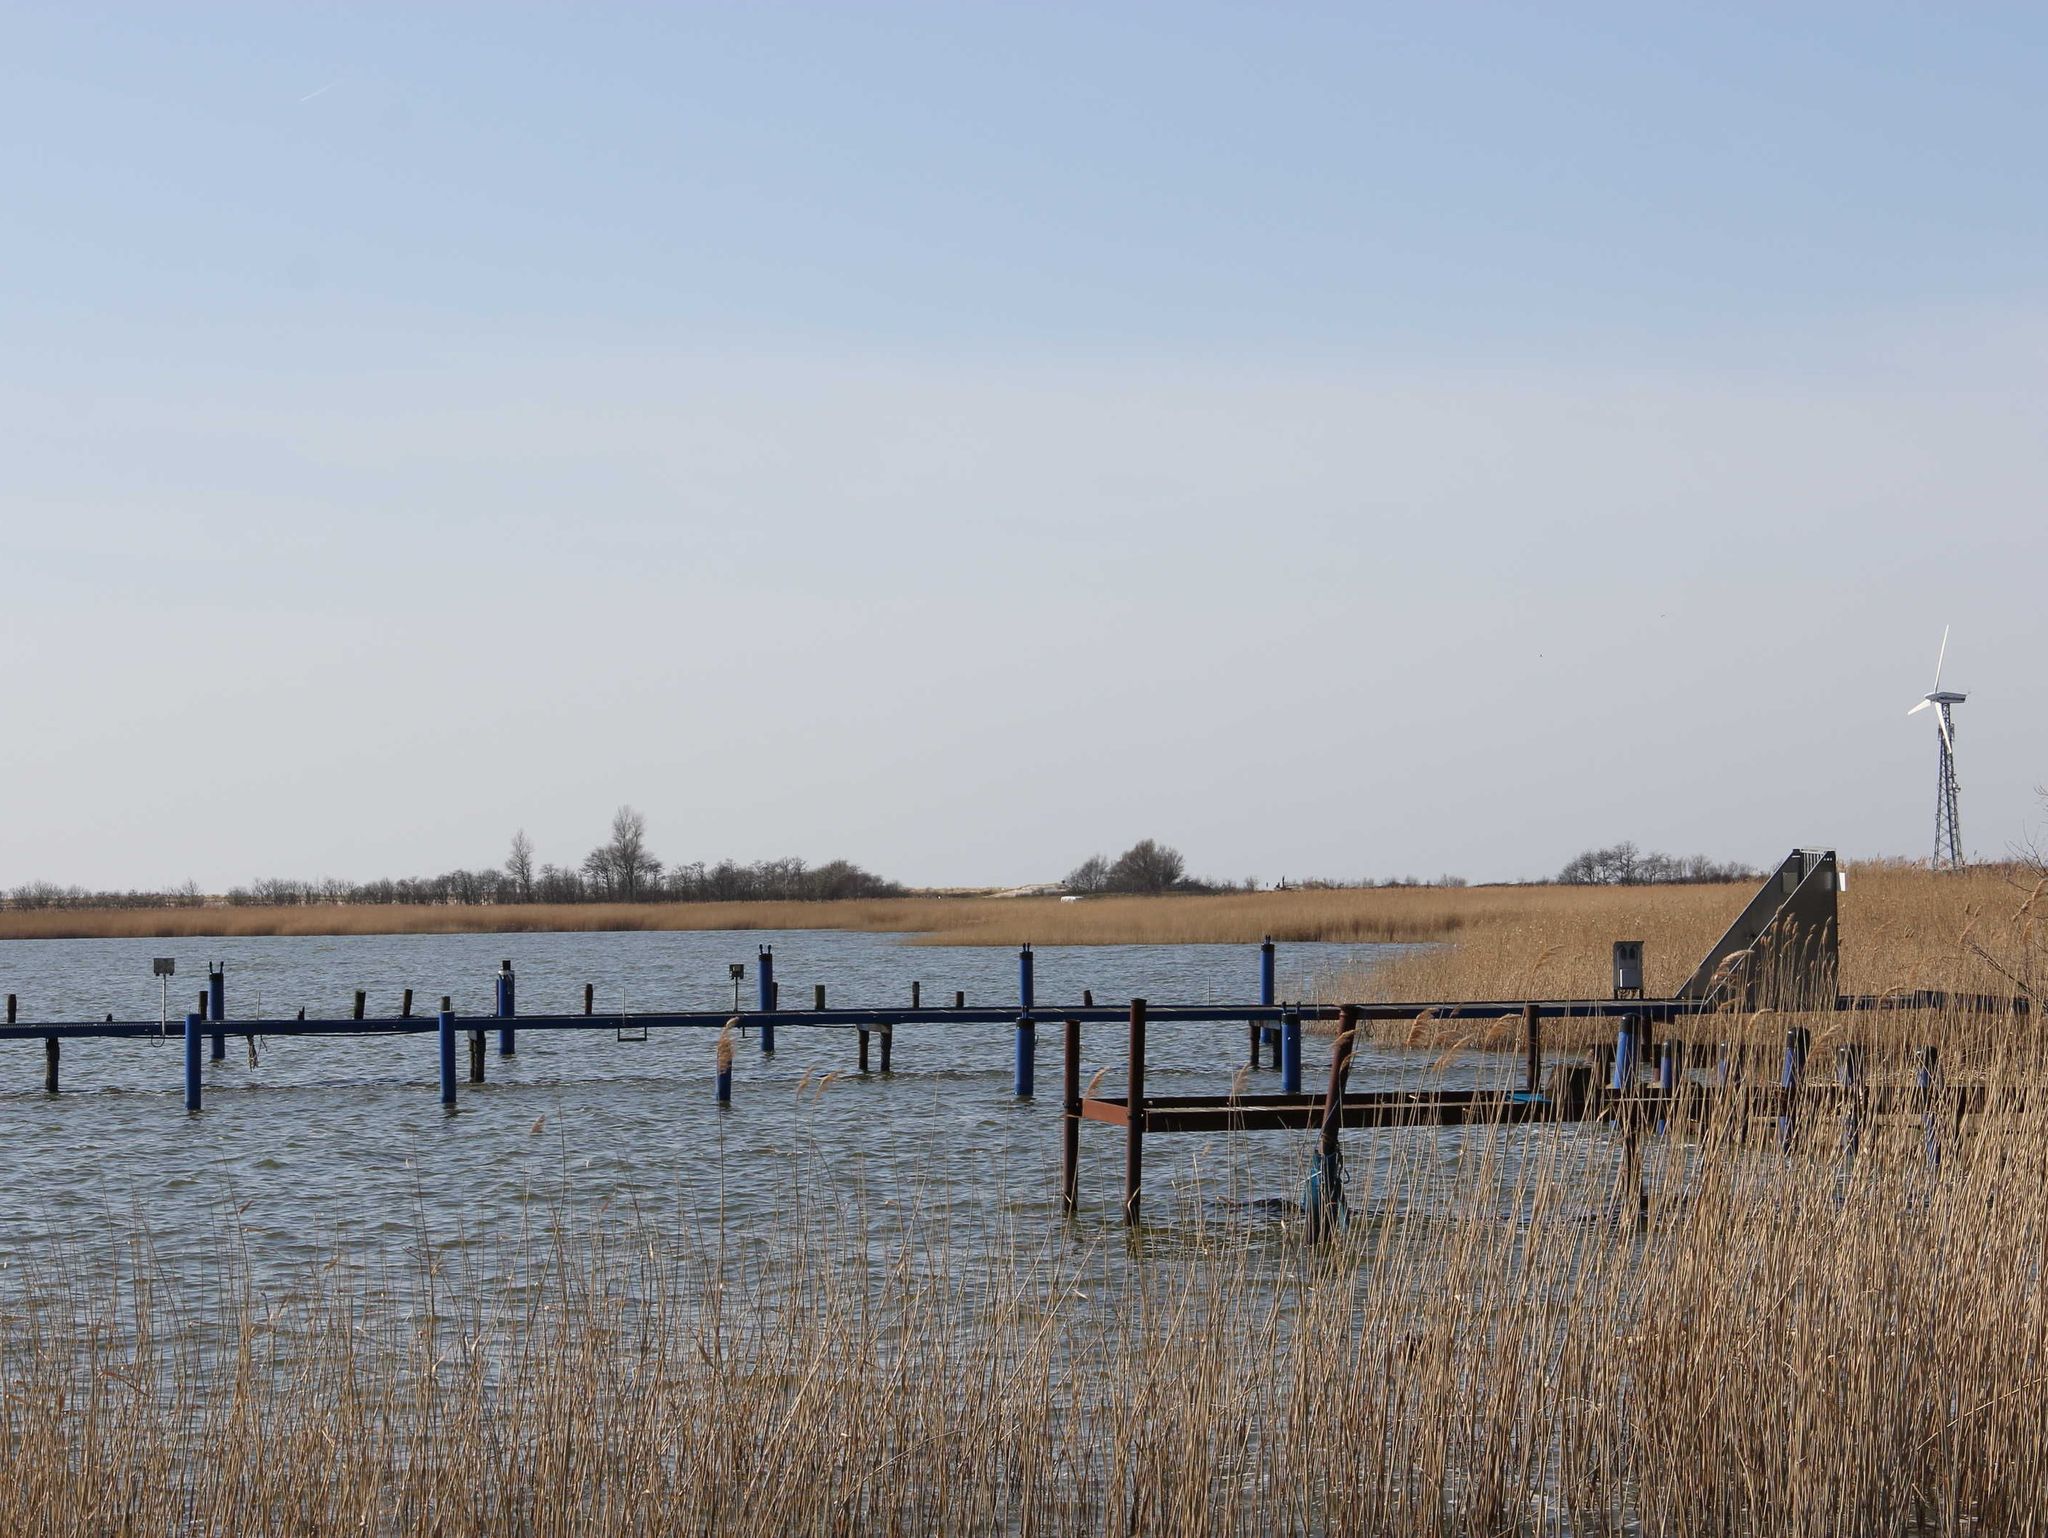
[1941, 720]
[1939, 658]
[1919, 707]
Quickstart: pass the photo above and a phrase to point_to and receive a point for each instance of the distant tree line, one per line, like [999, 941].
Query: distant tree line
[621, 869]
[1624, 864]
[48, 894]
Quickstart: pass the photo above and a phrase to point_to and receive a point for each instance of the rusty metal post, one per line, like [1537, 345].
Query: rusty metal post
[1070, 1122]
[1134, 1106]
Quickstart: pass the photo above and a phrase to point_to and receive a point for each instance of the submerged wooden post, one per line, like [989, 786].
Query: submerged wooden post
[1926, 1069]
[10, 1009]
[1070, 1120]
[1532, 1049]
[1134, 1121]
[1327, 1194]
[359, 1003]
[959, 1000]
[50, 1050]
[405, 1006]
[1797, 1041]
[1849, 1065]
[476, 1057]
[589, 996]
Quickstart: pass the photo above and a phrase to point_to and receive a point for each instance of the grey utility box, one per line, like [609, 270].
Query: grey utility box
[1628, 969]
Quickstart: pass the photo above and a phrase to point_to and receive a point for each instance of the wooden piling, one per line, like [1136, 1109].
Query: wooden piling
[10, 1009]
[888, 1039]
[1134, 1120]
[1532, 1050]
[1322, 1211]
[476, 1057]
[50, 1051]
[916, 992]
[359, 1004]
[959, 1001]
[589, 996]
[1070, 1120]
[405, 1006]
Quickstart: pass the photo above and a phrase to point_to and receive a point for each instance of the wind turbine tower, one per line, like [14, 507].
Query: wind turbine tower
[1948, 838]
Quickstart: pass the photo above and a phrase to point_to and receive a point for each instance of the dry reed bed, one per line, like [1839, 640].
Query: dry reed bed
[1239, 917]
[1495, 1345]
[1901, 929]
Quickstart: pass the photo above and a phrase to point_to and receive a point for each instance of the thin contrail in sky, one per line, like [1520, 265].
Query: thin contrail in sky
[321, 92]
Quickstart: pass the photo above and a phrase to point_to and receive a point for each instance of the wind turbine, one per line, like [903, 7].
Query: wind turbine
[1948, 838]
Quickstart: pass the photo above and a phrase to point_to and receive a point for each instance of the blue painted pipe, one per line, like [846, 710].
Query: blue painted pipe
[508, 1006]
[217, 1008]
[1027, 1055]
[1274, 1047]
[1027, 1028]
[764, 983]
[1627, 1043]
[1290, 1054]
[447, 1025]
[192, 1024]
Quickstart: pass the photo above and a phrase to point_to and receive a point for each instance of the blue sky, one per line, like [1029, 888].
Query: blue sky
[1339, 442]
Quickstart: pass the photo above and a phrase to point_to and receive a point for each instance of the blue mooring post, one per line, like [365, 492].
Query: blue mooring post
[217, 1006]
[1275, 1047]
[1797, 1040]
[1027, 1028]
[447, 1032]
[192, 1023]
[1290, 1054]
[764, 982]
[508, 1006]
[1627, 1043]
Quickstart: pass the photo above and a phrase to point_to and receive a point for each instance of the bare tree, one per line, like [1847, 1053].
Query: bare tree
[1147, 866]
[1091, 875]
[633, 871]
[519, 865]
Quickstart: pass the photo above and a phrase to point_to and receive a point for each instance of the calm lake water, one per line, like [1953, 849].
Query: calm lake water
[328, 1144]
